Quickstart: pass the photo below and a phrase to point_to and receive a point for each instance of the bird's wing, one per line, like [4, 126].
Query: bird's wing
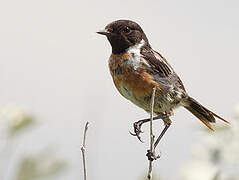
[158, 64]
[160, 69]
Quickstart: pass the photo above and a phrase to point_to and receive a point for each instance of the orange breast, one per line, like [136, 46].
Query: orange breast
[137, 82]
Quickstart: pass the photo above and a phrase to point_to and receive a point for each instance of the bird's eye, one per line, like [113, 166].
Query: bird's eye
[127, 30]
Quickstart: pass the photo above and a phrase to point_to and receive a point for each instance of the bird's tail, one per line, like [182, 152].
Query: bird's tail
[202, 113]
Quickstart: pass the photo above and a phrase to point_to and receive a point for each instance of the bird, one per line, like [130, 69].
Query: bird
[136, 69]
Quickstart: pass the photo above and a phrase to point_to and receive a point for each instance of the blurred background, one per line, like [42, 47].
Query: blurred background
[54, 77]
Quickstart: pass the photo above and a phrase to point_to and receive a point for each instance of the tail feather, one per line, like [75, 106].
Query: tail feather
[203, 114]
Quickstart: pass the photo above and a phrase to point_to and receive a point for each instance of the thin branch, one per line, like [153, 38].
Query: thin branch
[83, 148]
[151, 134]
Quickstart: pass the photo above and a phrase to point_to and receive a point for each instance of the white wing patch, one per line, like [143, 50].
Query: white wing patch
[136, 61]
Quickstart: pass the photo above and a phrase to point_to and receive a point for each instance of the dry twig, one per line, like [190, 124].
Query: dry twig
[83, 149]
[152, 149]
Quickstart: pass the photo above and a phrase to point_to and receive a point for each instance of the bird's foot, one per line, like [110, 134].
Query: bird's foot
[137, 129]
[151, 155]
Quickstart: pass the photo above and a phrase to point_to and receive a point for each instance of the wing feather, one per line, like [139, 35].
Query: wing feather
[157, 63]
[160, 68]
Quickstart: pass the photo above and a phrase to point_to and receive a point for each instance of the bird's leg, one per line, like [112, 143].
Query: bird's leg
[167, 122]
[137, 125]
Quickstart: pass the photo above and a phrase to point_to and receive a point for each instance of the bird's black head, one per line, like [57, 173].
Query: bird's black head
[123, 34]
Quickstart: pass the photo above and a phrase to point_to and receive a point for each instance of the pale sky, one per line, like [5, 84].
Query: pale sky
[56, 66]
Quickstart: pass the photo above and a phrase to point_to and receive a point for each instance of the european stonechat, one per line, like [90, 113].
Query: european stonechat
[136, 69]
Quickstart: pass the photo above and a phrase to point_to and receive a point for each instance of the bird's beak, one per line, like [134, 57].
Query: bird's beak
[104, 32]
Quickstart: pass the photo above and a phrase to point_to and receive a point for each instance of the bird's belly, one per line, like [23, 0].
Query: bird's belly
[142, 102]
[138, 89]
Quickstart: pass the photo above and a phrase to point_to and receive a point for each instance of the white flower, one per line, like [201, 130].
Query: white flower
[216, 154]
[14, 118]
[198, 170]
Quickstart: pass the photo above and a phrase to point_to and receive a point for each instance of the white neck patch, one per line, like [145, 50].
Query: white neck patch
[136, 48]
[135, 60]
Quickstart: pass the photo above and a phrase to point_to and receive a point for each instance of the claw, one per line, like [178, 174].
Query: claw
[137, 130]
[133, 134]
[139, 138]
